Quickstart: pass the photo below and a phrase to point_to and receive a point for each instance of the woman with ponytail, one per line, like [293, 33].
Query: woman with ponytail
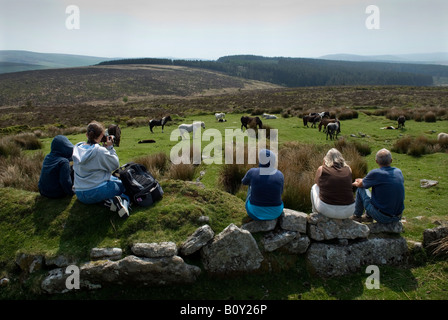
[93, 164]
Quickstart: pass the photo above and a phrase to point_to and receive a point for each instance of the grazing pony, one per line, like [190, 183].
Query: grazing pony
[312, 118]
[189, 127]
[333, 130]
[324, 123]
[401, 120]
[114, 130]
[220, 117]
[269, 116]
[245, 120]
[152, 123]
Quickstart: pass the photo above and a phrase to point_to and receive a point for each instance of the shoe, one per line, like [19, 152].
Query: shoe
[120, 205]
[356, 218]
[366, 218]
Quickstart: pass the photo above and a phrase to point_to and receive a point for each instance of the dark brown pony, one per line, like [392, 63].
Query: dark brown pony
[312, 118]
[324, 122]
[401, 120]
[245, 121]
[114, 130]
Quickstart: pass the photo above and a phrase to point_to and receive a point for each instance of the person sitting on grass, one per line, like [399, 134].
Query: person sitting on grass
[385, 203]
[56, 180]
[264, 196]
[332, 193]
[93, 165]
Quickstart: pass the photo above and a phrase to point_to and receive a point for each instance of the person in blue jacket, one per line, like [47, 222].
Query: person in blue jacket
[264, 196]
[385, 203]
[56, 175]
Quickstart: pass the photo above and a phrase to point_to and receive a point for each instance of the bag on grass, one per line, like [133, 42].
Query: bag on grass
[141, 187]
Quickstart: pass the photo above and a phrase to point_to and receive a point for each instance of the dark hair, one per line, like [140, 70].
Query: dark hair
[94, 130]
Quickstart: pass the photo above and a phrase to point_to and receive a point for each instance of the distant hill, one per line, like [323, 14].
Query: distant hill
[18, 60]
[306, 72]
[417, 58]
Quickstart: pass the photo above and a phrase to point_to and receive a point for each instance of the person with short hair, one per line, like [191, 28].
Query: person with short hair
[93, 165]
[385, 203]
[264, 196]
[332, 193]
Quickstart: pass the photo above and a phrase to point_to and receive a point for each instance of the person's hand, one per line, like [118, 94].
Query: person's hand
[110, 141]
[357, 183]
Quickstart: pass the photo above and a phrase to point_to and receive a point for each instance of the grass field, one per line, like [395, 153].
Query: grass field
[39, 229]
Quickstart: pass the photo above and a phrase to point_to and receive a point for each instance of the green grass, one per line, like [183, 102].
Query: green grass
[30, 223]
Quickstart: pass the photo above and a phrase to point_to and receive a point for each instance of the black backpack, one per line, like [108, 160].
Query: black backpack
[141, 187]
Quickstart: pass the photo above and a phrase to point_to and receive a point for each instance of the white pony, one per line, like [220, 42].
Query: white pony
[189, 127]
[269, 116]
[442, 135]
[220, 116]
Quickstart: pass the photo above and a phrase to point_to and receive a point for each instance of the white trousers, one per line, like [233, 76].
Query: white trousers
[330, 210]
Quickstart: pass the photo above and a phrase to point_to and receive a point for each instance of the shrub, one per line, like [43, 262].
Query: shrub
[157, 164]
[429, 116]
[182, 171]
[27, 141]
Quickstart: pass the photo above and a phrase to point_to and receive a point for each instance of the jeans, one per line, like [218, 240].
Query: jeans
[113, 187]
[363, 202]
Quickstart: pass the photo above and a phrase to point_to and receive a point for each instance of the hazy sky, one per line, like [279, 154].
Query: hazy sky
[210, 29]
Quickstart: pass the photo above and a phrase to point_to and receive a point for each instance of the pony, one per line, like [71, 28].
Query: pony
[313, 118]
[152, 123]
[322, 114]
[401, 120]
[114, 130]
[324, 123]
[333, 129]
[269, 116]
[442, 136]
[147, 141]
[220, 117]
[189, 127]
[245, 120]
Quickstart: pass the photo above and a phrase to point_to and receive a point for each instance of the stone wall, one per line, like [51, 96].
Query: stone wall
[331, 247]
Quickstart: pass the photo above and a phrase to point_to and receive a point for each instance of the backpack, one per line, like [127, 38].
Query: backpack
[141, 187]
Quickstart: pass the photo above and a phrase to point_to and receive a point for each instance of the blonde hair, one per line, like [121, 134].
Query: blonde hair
[334, 158]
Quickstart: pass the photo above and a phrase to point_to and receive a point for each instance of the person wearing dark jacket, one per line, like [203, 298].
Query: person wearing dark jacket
[264, 195]
[55, 178]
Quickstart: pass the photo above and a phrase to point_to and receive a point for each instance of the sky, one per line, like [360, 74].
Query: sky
[209, 29]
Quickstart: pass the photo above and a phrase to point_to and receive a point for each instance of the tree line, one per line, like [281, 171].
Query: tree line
[304, 72]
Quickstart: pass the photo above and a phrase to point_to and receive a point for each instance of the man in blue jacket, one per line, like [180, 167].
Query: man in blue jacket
[55, 178]
[385, 204]
[264, 197]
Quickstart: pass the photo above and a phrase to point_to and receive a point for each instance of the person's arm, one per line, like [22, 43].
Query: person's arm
[247, 177]
[65, 179]
[318, 174]
[358, 183]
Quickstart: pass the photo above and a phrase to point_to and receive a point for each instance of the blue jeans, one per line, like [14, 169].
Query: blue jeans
[363, 202]
[113, 187]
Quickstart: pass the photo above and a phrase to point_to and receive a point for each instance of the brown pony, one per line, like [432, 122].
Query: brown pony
[245, 120]
[325, 122]
[114, 130]
[401, 120]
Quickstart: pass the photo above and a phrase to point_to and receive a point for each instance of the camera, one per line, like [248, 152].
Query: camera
[106, 136]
